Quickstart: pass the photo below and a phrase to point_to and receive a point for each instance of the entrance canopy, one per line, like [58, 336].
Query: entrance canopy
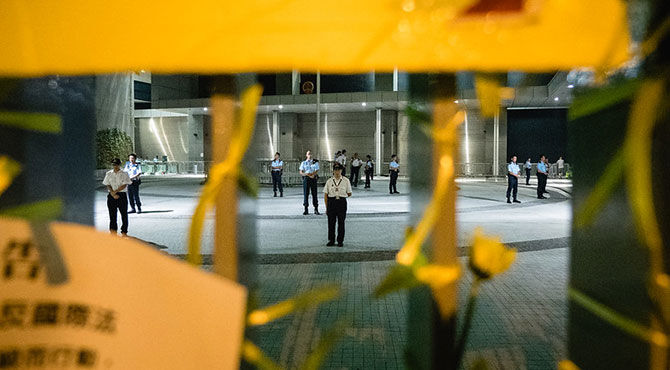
[213, 36]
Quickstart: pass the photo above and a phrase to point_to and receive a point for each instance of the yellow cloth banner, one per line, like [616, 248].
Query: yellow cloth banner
[210, 36]
[124, 306]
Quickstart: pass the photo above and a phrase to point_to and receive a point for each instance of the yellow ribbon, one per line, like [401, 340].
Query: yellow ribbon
[228, 168]
[9, 169]
[41, 122]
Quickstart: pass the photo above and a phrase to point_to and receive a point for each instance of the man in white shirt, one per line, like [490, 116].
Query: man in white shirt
[560, 163]
[356, 164]
[342, 159]
[116, 181]
[335, 194]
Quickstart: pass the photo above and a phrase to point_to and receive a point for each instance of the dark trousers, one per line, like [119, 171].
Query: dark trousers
[368, 174]
[527, 176]
[336, 209]
[355, 174]
[134, 195]
[309, 185]
[121, 205]
[541, 184]
[344, 170]
[276, 180]
[393, 182]
[512, 185]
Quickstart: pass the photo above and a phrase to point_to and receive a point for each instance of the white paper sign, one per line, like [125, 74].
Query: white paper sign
[125, 305]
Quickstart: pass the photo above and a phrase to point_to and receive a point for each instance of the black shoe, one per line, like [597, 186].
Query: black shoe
[281, 195]
[396, 192]
[131, 211]
[340, 244]
[541, 197]
[330, 244]
[517, 201]
[509, 201]
[275, 194]
[306, 212]
[390, 192]
[139, 210]
[316, 211]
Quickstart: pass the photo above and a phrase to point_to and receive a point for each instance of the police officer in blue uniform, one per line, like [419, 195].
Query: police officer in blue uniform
[277, 170]
[394, 168]
[134, 170]
[309, 170]
[542, 175]
[513, 173]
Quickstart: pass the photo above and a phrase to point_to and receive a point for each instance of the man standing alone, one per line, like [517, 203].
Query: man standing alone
[356, 164]
[309, 170]
[336, 192]
[116, 181]
[527, 166]
[541, 178]
[513, 173]
[133, 169]
[560, 163]
[394, 168]
[277, 170]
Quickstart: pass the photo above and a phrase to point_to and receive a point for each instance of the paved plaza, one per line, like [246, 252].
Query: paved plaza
[520, 322]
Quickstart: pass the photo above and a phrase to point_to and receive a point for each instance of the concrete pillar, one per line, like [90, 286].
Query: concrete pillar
[275, 131]
[295, 82]
[496, 145]
[378, 142]
[114, 103]
[317, 150]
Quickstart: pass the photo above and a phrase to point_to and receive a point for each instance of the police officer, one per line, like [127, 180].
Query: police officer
[394, 168]
[527, 166]
[368, 171]
[134, 170]
[277, 170]
[309, 170]
[336, 192]
[116, 181]
[356, 164]
[513, 173]
[541, 178]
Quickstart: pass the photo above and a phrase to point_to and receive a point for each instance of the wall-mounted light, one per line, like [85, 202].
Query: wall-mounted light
[571, 86]
[281, 106]
[205, 109]
[456, 101]
[556, 98]
[364, 103]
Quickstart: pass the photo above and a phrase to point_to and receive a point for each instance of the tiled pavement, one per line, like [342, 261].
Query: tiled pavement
[521, 316]
[519, 322]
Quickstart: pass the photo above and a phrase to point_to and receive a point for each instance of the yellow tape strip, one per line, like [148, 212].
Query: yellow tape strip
[602, 191]
[41, 122]
[43, 210]
[618, 320]
[256, 357]
[311, 298]
[410, 250]
[643, 118]
[227, 168]
[9, 169]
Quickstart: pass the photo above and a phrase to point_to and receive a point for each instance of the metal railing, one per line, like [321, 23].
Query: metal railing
[183, 167]
[291, 174]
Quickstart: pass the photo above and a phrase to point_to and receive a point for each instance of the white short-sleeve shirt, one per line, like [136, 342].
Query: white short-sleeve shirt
[337, 188]
[116, 179]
